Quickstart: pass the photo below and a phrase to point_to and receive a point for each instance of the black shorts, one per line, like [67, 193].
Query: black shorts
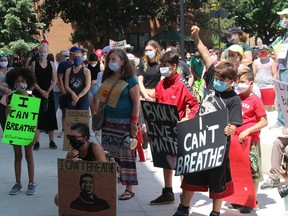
[218, 180]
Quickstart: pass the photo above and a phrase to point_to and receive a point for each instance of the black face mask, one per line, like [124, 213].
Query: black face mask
[75, 143]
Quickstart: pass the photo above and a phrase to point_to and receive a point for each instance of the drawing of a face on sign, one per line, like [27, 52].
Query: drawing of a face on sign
[87, 200]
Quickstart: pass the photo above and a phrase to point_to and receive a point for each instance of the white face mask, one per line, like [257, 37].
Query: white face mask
[93, 65]
[3, 64]
[241, 88]
[150, 54]
[165, 71]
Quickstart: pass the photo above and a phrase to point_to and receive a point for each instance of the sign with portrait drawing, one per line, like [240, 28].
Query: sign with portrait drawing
[87, 188]
[71, 117]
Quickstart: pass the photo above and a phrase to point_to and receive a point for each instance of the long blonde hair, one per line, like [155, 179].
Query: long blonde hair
[157, 47]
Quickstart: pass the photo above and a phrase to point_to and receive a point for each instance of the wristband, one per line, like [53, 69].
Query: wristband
[134, 119]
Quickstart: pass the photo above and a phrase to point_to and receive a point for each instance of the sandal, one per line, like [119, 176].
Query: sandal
[127, 195]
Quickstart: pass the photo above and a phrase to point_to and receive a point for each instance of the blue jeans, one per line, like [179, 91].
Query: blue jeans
[283, 76]
[56, 100]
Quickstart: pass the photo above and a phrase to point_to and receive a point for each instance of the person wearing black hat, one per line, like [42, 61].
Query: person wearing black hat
[236, 36]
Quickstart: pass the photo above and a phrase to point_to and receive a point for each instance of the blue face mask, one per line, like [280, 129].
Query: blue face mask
[114, 66]
[219, 85]
[283, 24]
[77, 61]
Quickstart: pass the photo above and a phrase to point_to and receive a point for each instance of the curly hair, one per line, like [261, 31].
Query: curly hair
[26, 73]
[127, 70]
[157, 47]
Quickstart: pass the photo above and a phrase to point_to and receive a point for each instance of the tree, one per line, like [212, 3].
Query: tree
[259, 18]
[18, 27]
[96, 21]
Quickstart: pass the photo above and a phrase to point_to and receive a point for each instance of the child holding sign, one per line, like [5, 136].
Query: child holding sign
[219, 95]
[20, 80]
[175, 90]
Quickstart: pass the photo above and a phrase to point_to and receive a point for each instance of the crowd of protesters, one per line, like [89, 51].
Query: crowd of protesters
[206, 81]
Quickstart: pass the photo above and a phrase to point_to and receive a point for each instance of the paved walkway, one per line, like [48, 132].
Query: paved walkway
[150, 186]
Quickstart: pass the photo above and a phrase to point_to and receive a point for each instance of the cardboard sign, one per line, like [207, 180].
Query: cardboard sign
[161, 120]
[21, 123]
[117, 44]
[73, 116]
[201, 142]
[244, 193]
[282, 98]
[87, 188]
[106, 87]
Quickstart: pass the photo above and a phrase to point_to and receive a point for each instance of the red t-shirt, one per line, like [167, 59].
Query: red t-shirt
[252, 110]
[174, 91]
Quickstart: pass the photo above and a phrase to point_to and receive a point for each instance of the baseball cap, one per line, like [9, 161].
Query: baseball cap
[99, 53]
[74, 48]
[106, 49]
[263, 47]
[236, 48]
[234, 30]
[283, 12]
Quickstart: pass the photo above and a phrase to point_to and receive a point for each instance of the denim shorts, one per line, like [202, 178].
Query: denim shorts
[93, 90]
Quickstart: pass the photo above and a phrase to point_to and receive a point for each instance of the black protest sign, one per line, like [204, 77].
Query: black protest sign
[201, 142]
[161, 120]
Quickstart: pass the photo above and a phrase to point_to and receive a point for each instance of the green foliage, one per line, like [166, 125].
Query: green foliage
[259, 18]
[18, 27]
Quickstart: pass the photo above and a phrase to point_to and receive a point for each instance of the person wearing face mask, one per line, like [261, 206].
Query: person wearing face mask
[254, 119]
[82, 148]
[265, 71]
[35, 54]
[148, 72]
[236, 36]
[148, 77]
[63, 66]
[20, 80]
[174, 90]
[85, 57]
[4, 90]
[94, 67]
[46, 79]
[282, 59]
[219, 95]
[77, 84]
[121, 113]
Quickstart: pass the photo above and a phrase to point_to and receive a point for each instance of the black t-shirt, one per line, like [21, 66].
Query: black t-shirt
[183, 69]
[214, 100]
[94, 70]
[151, 76]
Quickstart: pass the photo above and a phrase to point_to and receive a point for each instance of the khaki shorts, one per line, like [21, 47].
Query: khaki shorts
[255, 151]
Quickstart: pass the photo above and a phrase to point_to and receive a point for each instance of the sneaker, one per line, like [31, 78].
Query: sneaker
[36, 146]
[52, 145]
[165, 198]
[234, 206]
[270, 183]
[31, 189]
[181, 212]
[16, 189]
[213, 213]
[61, 134]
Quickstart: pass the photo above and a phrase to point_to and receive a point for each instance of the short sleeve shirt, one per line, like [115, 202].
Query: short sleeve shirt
[151, 76]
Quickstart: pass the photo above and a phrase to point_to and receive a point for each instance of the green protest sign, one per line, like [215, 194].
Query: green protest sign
[21, 123]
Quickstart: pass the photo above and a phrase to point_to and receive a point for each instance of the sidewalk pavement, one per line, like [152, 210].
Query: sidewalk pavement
[150, 187]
